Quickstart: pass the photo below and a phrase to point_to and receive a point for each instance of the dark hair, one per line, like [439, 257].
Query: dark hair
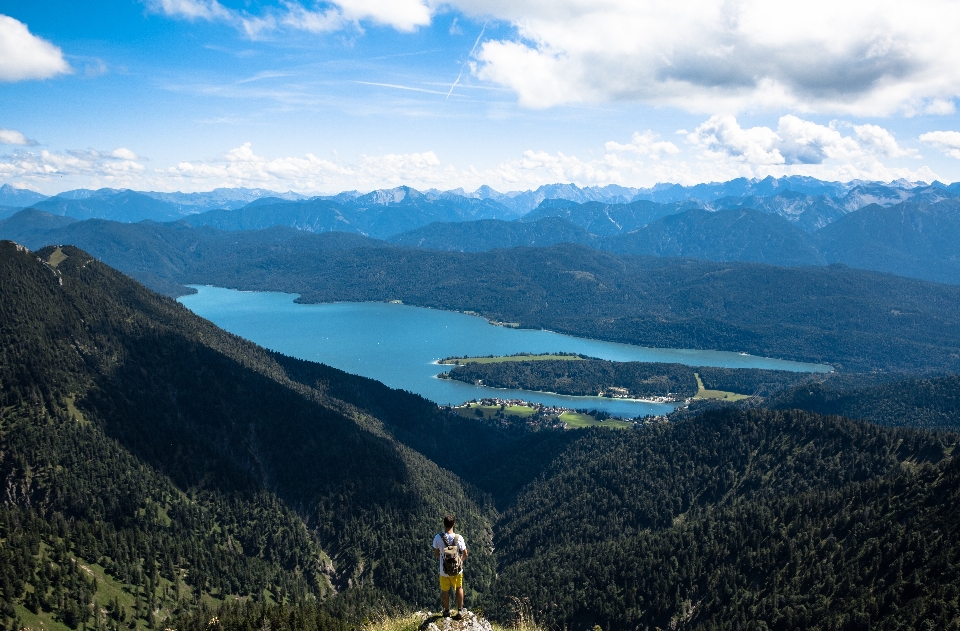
[448, 522]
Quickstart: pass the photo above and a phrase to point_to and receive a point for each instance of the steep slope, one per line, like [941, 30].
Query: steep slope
[117, 205]
[378, 214]
[110, 384]
[490, 234]
[31, 225]
[744, 187]
[933, 403]
[809, 212]
[158, 254]
[228, 198]
[726, 235]
[909, 239]
[314, 215]
[604, 219]
[776, 520]
[14, 197]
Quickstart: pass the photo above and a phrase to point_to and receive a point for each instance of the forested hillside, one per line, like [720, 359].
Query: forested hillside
[139, 438]
[933, 402]
[590, 377]
[159, 255]
[756, 519]
[492, 234]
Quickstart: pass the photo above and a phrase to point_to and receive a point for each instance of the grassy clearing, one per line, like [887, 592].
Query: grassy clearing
[56, 258]
[508, 358]
[402, 622]
[42, 621]
[108, 590]
[577, 420]
[717, 395]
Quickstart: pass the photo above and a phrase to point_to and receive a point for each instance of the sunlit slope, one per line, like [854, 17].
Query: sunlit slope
[788, 519]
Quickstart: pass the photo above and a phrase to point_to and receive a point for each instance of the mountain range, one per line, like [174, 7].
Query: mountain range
[809, 202]
[918, 240]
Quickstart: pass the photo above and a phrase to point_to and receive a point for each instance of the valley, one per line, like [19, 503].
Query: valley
[400, 345]
[276, 445]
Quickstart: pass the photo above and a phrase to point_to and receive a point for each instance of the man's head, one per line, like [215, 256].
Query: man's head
[448, 522]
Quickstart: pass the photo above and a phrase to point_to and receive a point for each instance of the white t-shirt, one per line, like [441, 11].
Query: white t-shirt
[441, 540]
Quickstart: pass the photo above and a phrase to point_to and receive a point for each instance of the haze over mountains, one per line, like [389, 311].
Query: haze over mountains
[790, 197]
[902, 228]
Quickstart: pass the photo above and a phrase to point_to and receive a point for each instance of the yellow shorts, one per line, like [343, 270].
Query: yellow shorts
[451, 582]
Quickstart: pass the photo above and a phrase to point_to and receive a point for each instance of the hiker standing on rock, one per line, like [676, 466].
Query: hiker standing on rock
[451, 549]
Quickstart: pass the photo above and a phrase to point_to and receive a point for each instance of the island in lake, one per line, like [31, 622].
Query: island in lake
[579, 375]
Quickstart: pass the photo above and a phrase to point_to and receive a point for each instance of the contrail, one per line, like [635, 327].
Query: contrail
[465, 61]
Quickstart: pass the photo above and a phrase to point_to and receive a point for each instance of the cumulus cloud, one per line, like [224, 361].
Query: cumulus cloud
[124, 154]
[795, 141]
[403, 15]
[881, 141]
[946, 141]
[718, 149]
[25, 56]
[859, 56]
[14, 137]
[119, 168]
[646, 144]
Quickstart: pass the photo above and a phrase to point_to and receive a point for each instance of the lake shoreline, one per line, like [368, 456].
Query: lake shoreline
[400, 345]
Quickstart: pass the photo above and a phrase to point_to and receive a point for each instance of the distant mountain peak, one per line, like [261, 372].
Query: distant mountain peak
[14, 197]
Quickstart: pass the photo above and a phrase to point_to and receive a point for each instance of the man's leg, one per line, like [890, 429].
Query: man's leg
[460, 598]
[445, 599]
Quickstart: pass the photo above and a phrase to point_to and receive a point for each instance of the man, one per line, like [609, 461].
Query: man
[453, 579]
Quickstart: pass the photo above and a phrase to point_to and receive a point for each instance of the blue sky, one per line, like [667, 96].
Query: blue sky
[362, 94]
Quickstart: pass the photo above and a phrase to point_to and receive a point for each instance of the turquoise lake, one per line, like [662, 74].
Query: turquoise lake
[399, 345]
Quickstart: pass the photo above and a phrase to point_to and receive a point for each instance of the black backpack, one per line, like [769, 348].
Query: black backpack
[450, 554]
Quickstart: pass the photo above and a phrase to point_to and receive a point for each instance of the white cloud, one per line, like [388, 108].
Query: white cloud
[193, 9]
[858, 56]
[302, 19]
[718, 149]
[645, 144]
[798, 147]
[795, 141]
[403, 15]
[882, 141]
[25, 56]
[14, 137]
[946, 141]
[88, 168]
[124, 154]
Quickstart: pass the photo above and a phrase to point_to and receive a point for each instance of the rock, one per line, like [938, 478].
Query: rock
[436, 622]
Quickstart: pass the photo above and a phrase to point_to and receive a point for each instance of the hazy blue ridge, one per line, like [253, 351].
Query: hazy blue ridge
[18, 197]
[125, 205]
[490, 234]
